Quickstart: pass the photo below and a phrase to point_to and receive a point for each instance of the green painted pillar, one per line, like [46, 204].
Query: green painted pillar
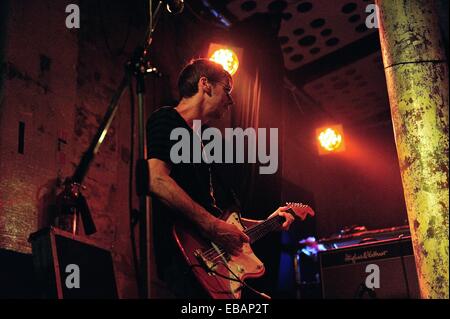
[417, 79]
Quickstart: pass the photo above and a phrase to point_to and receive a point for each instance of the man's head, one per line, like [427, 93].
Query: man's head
[210, 82]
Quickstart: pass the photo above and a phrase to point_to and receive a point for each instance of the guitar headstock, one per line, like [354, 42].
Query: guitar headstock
[300, 210]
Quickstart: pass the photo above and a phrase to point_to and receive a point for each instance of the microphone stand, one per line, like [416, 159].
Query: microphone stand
[71, 204]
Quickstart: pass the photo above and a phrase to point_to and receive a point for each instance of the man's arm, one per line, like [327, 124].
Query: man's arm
[171, 194]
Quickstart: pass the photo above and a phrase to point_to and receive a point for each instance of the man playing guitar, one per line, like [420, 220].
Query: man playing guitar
[183, 192]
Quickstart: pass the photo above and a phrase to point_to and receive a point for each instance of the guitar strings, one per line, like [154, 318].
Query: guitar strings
[255, 232]
[213, 254]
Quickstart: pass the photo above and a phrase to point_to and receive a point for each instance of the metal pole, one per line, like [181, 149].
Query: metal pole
[144, 212]
[417, 81]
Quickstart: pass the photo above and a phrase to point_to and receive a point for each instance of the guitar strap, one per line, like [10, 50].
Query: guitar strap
[211, 187]
[225, 186]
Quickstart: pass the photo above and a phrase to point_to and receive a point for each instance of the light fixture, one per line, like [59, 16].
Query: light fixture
[225, 56]
[174, 6]
[330, 139]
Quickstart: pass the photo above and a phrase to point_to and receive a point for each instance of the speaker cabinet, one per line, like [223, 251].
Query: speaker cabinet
[17, 279]
[379, 270]
[69, 266]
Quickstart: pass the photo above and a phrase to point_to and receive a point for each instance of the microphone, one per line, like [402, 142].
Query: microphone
[174, 6]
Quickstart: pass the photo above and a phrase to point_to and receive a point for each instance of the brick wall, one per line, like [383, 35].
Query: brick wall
[58, 84]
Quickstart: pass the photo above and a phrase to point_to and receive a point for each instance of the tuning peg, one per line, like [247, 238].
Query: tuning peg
[295, 204]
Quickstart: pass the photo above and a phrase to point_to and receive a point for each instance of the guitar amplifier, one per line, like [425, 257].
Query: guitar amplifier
[70, 266]
[380, 270]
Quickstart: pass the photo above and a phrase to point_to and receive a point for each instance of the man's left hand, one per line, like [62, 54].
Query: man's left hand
[282, 211]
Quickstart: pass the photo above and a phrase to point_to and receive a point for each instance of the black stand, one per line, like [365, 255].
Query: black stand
[71, 203]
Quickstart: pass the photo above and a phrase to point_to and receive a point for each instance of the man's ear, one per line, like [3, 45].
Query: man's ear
[205, 85]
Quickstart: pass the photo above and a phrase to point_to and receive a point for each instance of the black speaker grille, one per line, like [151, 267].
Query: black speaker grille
[343, 271]
[95, 265]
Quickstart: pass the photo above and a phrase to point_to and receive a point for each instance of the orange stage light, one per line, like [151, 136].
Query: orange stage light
[330, 139]
[226, 56]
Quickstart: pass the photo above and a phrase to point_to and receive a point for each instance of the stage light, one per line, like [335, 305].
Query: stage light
[227, 56]
[330, 139]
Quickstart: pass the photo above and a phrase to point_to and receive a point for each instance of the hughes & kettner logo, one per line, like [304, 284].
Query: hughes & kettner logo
[368, 254]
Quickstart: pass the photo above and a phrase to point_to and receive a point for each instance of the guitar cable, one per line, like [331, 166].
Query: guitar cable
[236, 278]
[265, 296]
[218, 250]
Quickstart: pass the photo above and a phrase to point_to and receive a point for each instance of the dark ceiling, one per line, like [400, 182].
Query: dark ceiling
[331, 59]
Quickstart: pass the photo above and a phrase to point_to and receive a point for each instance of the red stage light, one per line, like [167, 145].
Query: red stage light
[226, 56]
[330, 139]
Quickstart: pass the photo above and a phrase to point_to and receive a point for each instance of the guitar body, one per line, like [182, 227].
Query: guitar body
[216, 272]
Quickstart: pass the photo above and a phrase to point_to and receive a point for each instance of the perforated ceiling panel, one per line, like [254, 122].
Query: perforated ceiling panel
[310, 29]
[355, 93]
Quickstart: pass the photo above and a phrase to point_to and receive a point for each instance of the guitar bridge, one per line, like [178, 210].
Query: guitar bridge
[204, 263]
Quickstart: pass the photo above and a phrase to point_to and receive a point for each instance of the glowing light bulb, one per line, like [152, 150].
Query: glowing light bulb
[330, 139]
[227, 58]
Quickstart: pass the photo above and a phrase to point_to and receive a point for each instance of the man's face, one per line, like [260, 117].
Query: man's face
[221, 99]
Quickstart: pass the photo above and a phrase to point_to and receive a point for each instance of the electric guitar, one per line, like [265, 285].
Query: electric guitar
[221, 274]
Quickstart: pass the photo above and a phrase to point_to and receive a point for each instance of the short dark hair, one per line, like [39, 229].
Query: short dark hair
[194, 70]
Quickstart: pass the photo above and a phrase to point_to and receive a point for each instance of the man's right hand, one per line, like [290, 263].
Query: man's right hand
[228, 236]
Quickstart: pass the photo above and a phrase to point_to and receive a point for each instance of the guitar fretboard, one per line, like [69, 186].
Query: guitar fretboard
[261, 230]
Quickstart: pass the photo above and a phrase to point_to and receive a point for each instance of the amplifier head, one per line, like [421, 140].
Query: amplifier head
[381, 270]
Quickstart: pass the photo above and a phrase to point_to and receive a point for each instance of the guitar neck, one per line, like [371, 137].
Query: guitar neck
[269, 225]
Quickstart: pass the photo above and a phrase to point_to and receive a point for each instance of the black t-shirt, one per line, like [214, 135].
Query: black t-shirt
[193, 178]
